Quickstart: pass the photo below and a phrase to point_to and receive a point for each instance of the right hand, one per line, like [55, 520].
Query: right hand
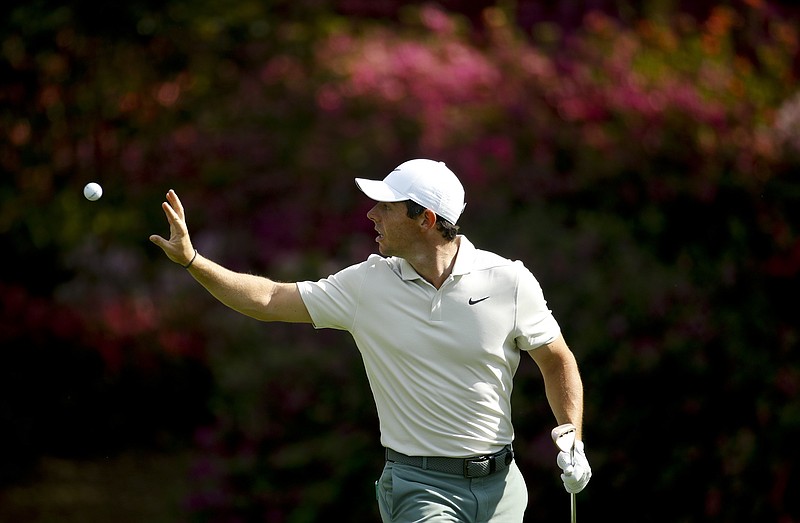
[179, 246]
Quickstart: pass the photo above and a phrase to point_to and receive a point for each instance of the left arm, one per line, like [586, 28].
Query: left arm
[562, 381]
[564, 389]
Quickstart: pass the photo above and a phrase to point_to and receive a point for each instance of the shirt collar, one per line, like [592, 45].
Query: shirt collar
[465, 261]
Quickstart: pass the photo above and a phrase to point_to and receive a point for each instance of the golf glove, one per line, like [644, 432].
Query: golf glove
[576, 469]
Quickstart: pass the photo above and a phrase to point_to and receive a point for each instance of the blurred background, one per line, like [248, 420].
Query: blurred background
[642, 158]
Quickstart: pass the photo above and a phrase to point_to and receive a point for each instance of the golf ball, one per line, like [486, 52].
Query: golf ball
[93, 191]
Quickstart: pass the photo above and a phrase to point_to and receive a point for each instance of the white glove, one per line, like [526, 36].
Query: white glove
[577, 472]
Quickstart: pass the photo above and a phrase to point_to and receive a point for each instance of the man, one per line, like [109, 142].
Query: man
[440, 326]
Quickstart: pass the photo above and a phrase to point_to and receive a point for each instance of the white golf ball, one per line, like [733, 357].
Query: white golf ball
[93, 191]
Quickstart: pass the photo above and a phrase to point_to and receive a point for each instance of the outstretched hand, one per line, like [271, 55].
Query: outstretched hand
[179, 246]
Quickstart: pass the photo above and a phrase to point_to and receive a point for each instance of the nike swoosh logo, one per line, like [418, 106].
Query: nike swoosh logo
[473, 302]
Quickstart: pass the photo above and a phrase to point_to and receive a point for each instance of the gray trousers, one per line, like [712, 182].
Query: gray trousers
[409, 494]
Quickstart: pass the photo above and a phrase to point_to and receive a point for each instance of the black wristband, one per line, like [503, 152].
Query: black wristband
[191, 261]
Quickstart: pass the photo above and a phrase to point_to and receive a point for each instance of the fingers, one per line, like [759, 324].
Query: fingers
[170, 208]
[158, 240]
[577, 471]
[175, 202]
[174, 212]
[564, 460]
[178, 246]
[172, 216]
[574, 483]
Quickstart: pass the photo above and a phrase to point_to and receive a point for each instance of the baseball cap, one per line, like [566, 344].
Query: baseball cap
[426, 182]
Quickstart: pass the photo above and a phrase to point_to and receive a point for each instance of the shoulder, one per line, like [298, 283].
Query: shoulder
[472, 259]
[374, 265]
[346, 284]
[378, 263]
[372, 262]
[500, 268]
[488, 260]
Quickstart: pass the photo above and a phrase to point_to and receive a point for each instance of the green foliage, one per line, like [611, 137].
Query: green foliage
[644, 171]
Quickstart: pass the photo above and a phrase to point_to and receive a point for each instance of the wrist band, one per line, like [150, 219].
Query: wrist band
[191, 261]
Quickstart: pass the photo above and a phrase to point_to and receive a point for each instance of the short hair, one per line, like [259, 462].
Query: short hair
[449, 230]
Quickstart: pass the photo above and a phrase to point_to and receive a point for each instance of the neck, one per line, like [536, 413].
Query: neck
[436, 265]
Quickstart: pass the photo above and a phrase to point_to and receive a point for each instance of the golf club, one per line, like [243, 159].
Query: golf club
[564, 438]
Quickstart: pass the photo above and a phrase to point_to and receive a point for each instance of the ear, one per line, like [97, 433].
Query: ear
[428, 219]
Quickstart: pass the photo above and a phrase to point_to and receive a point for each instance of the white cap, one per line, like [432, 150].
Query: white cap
[426, 182]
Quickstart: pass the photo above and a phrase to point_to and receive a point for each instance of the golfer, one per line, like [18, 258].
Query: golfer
[441, 326]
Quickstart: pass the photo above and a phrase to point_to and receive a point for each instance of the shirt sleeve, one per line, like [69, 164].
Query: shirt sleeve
[535, 323]
[332, 302]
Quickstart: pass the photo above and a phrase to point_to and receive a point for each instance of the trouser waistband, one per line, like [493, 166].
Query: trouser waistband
[474, 467]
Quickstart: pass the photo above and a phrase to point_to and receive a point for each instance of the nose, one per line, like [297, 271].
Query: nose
[371, 214]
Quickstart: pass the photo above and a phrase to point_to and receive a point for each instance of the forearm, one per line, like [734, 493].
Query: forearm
[562, 382]
[564, 391]
[245, 293]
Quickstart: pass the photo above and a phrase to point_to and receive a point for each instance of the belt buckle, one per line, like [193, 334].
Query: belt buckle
[483, 469]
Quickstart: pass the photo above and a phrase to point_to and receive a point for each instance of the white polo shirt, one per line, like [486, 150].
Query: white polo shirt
[440, 362]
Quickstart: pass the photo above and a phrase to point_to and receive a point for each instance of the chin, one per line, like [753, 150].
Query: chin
[383, 250]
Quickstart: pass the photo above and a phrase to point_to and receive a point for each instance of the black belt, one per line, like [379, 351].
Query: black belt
[475, 467]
